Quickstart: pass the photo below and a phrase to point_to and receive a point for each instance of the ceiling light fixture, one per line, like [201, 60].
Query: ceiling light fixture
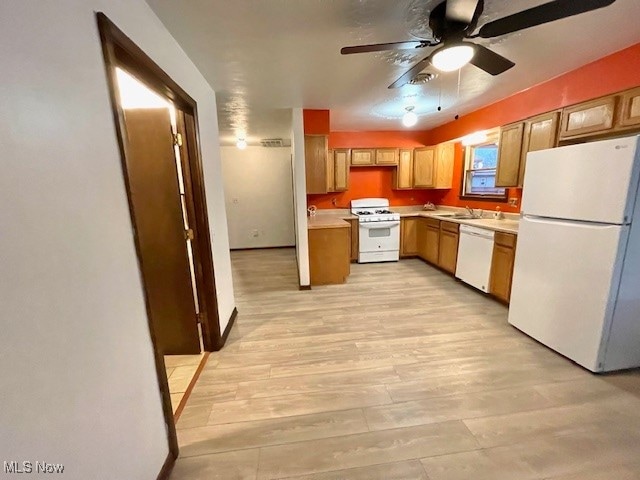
[474, 139]
[409, 119]
[454, 57]
[241, 143]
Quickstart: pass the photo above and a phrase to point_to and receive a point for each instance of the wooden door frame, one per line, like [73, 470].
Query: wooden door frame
[120, 51]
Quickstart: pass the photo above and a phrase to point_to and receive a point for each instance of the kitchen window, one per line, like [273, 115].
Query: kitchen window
[481, 161]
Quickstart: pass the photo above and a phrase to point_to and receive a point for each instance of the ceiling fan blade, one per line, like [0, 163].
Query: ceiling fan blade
[462, 11]
[490, 61]
[545, 13]
[411, 73]
[380, 47]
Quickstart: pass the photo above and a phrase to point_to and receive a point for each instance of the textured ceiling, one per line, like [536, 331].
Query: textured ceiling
[263, 57]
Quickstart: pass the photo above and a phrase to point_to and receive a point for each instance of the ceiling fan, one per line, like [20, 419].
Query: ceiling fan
[454, 21]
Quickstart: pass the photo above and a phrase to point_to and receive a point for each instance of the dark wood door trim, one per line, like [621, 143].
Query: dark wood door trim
[120, 50]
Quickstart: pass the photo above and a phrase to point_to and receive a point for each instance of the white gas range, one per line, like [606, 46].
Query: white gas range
[378, 232]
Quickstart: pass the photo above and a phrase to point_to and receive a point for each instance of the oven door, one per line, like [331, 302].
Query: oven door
[379, 236]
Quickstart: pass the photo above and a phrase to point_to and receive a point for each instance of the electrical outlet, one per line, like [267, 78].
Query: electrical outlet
[334, 201]
[513, 201]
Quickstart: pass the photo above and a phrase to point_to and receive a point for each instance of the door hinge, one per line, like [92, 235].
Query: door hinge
[188, 234]
[177, 139]
[198, 318]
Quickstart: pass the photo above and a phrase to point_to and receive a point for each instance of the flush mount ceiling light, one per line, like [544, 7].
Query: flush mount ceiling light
[409, 119]
[450, 58]
[241, 143]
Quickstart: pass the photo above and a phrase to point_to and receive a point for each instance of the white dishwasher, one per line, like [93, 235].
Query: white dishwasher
[474, 256]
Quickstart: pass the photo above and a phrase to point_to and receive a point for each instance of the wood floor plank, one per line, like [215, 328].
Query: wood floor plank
[238, 465]
[277, 386]
[408, 470]
[400, 371]
[345, 398]
[237, 436]
[364, 449]
[454, 407]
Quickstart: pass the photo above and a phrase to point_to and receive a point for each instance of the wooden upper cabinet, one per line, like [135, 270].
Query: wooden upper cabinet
[540, 133]
[403, 175]
[629, 115]
[331, 177]
[509, 155]
[424, 167]
[315, 159]
[363, 157]
[387, 156]
[341, 163]
[445, 153]
[588, 118]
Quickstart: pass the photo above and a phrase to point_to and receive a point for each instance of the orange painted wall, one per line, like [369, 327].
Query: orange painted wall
[316, 122]
[616, 72]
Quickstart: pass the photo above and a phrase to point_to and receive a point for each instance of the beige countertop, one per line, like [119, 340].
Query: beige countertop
[506, 225]
[329, 220]
[338, 218]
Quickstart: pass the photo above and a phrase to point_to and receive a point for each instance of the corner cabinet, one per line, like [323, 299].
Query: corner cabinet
[428, 239]
[409, 236]
[433, 166]
[315, 159]
[504, 252]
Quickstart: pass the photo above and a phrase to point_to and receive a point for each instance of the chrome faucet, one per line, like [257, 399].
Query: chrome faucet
[473, 213]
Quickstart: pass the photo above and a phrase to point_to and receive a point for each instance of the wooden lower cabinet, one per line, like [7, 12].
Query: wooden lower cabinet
[329, 255]
[428, 238]
[504, 250]
[409, 236]
[355, 239]
[448, 251]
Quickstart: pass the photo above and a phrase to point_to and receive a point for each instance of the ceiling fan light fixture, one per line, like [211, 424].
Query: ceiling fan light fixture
[409, 119]
[454, 57]
[241, 143]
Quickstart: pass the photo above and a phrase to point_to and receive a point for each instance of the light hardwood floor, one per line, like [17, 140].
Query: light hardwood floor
[402, 373]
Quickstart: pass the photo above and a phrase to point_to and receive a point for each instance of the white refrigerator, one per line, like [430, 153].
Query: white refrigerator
[576, 282]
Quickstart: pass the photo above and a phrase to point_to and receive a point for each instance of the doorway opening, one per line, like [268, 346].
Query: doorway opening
[144, 110]
[259, 199]
[157, 131]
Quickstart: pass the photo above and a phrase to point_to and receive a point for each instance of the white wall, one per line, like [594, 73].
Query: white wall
[300, 195]
[258, 189]
[78, 383]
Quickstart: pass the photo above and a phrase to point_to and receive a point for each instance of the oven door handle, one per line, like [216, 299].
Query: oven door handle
[380, 224]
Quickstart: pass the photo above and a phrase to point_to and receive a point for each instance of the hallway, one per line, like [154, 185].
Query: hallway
[402, 373]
